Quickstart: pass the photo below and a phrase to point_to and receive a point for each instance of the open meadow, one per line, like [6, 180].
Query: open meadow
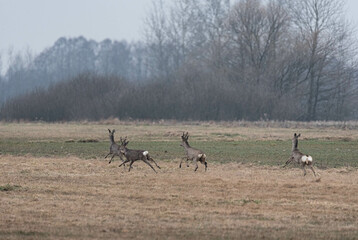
[56, 184]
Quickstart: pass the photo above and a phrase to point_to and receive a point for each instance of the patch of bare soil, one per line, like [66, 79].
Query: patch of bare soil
[71, 198]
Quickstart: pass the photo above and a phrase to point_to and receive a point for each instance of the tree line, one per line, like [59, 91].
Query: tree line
[202, 60]
[68, 58]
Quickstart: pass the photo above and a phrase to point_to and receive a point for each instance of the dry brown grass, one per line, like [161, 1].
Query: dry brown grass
[72, 198]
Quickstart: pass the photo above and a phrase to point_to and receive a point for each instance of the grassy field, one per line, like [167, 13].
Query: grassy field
[56, 184]
[223, 142]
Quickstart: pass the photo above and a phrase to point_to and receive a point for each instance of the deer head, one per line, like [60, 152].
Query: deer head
[124, 144]
[184, 138]
[111, 135]
[111, 132]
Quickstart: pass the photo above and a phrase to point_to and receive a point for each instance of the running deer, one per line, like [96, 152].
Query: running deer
[192, 154]
[135, 155]
[113, 148]
[298, 157]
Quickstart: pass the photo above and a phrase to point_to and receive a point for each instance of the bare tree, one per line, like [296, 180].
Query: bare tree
[181, 30]
[320, 27]
[257, 32]
[216, 14]
[157, 39]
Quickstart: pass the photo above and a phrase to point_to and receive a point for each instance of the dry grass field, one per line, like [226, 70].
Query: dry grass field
[70, 196]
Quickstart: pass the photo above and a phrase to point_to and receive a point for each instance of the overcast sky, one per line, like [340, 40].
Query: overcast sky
[37, 24]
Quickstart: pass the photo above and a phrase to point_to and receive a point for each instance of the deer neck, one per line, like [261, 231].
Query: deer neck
[186, 145]
[111, 138]
[294, 145]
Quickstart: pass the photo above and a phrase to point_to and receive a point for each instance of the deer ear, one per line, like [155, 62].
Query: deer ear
[299, 135]
[113, 130]
[109, 131]
[295, 135]
[125, 144]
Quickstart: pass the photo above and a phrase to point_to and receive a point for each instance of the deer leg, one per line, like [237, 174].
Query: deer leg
[288, 161]
[152, 160]
[312, 170]
[130, 166]
[149, 165]
[203, 161]
[107, 155]
[181, 162]
[187, 162]
[304, 170]
[121, 157]
[111, 159]
[196, 164]
[123, 163]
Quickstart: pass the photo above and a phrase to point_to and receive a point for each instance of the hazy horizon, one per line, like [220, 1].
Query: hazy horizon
[255, 67]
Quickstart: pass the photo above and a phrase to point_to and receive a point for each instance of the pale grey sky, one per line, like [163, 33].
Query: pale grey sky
[37, 24]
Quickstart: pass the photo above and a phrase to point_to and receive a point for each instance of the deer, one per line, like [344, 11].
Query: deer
[300, 158]
[192, 154]
[135, 155]
[114, 147]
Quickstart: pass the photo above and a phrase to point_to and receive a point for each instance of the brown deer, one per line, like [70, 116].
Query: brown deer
[135, 155]
[298, 157]
[113, 148]
[192, 154]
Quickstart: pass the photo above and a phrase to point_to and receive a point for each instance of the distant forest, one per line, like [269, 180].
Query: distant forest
[198, 60]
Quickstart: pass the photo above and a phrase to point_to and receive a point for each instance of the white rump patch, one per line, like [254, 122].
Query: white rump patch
[306, 159]
[145, 153]
[199, 155]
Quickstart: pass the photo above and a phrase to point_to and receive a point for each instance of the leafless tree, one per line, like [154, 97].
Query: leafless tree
[157, 39]
[322, 31]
